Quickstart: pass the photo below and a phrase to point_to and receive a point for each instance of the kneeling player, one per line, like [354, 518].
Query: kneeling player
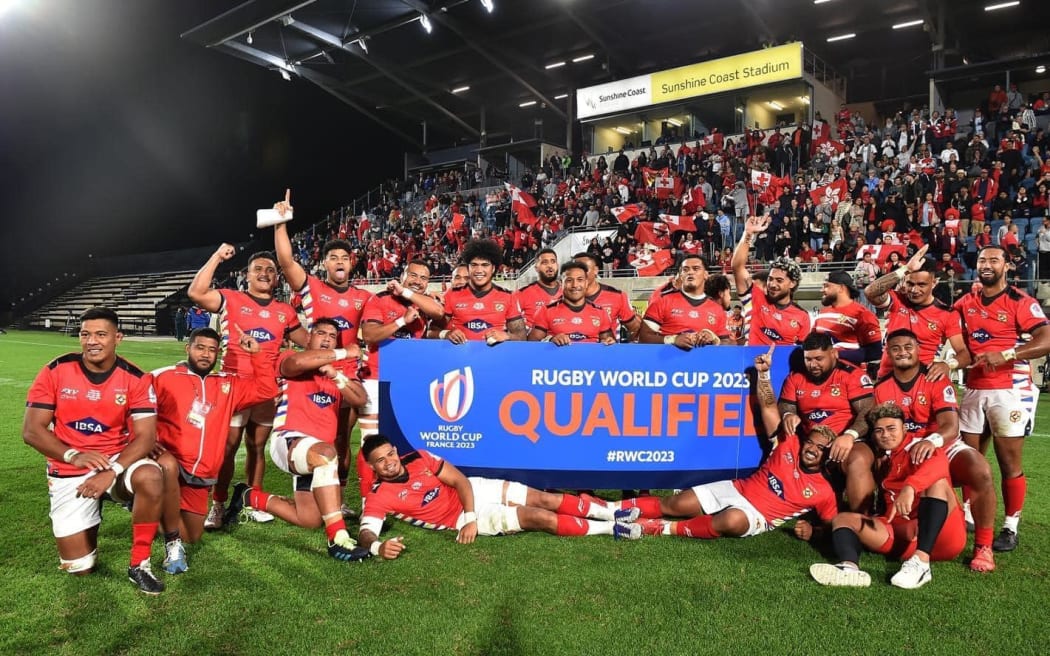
[430, 492]
[194, 407]
[303, 439]
[79, 412]
[923, 520]
[789, 483]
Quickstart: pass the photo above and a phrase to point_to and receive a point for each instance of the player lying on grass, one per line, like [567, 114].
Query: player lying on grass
[922, 522]
[429, 492]
[789, 483]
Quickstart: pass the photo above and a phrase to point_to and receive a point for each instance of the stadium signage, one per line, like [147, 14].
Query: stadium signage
[579, 416]
[716, 76]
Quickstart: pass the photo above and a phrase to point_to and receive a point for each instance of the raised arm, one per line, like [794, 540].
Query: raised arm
[293, 272]
[767, 400]
[313, 359]
[200, 291]
[752, 227]
[878, 290]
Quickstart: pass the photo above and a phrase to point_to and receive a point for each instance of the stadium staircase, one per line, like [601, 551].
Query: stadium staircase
[134, 297]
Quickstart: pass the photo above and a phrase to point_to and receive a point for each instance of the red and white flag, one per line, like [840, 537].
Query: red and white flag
[881, 252]
[656, 234]
[517, 196]
[674, 222]
[457, 220]
[362, 226]
[627, 212]
[830, 193]
[652, 264]
[664, 185]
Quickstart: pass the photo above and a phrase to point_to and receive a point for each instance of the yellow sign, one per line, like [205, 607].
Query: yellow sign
[729, 73]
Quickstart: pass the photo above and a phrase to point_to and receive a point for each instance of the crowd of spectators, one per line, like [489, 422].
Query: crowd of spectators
[916, 177]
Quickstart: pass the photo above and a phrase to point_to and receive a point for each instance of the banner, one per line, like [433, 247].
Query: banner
[749, 69]
[579, 416]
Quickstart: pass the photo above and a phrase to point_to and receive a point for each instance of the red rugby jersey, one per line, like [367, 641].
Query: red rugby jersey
[582, 324]
[895, 469]
[770, 324]
[92, 411]
[920, 400]
[616, 305]
[827, 402]
[475, 312]
[309, 404]
[996, 324]
[782, 490]
[421, 498]
[533, 297]
[267, 320]
[850, 326]
[343, 305]
[384, 308]
[933, 324]
[676, 313]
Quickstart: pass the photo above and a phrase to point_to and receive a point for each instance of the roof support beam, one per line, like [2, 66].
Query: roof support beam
[474, 42]
[388, 72]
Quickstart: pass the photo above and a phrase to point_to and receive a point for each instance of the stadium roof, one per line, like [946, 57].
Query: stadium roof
[478, 68]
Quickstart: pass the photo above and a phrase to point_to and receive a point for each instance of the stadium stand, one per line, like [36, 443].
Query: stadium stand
[134, 297]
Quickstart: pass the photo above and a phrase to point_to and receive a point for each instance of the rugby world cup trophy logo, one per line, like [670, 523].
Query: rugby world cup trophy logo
[452, 395]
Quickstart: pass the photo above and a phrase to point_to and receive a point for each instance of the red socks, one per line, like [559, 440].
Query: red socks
[697, 527]
[649, 506]
[258, 499]
[572, 526]
[982, 537]
[142, 541]
[1013, 494]
[331, 529]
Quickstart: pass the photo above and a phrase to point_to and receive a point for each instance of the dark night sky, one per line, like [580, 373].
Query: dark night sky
[117, 136]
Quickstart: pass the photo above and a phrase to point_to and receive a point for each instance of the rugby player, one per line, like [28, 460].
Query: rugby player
[79, 412]
[612, 300]
[994, 317]
[269, 322]
[480, 310]
[430, 492]
[922, 522]
[686, 318]
[572, 318]
[543, 291]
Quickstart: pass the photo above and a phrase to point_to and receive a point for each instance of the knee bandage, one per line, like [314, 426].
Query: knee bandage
[78, 565]
[326, 475]
[131, 470]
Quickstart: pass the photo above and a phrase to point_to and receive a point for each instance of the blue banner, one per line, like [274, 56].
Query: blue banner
[578, 416]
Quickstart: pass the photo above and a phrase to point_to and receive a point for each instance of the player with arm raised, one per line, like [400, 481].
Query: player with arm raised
[93, 416]
[774, 318]
[337, 299]
[269, 322]
[915, 308]
[790, 483]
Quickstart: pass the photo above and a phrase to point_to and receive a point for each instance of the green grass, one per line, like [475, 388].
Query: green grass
[272, 589]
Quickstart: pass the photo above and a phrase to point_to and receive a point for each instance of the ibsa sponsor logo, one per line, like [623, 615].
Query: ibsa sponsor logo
[322, 400]
[775, 486]
[260, 335]
[980, 336]
[88, 426]
[431, 495]
[452, 395]
[477, 325]
[342, 323]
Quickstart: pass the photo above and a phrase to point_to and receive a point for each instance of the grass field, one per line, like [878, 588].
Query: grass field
[272, 589]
